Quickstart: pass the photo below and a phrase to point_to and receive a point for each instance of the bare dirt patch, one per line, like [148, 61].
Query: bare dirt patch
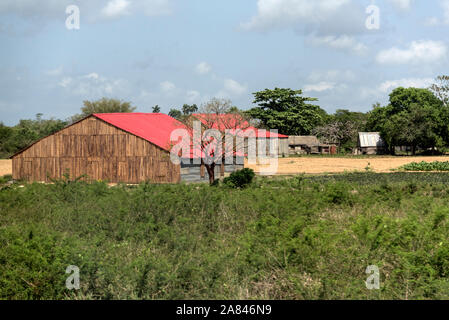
[311, 165]
[5, 167]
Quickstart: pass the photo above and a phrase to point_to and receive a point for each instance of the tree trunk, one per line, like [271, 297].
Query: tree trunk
[392, 150]
[211, 172]
[414, 150]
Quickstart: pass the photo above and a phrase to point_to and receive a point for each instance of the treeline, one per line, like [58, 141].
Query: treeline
[13, 139]
[18, 137]
[416, 118]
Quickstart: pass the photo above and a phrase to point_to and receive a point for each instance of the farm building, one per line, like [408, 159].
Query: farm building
[370, 143]
[122, 147]
[238, 127]
[309, 145]
[241, 127]
[116, 147]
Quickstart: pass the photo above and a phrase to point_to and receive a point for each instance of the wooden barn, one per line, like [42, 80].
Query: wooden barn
[120, 147]
[115, 147]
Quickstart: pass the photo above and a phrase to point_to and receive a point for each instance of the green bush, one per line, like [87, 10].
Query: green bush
[426, 166]
[240, 179]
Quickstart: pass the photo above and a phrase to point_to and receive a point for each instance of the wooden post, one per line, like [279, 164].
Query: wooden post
[202, 171]
[222, 169]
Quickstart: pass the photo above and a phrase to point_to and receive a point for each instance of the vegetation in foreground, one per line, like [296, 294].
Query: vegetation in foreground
[296, 238]
[426, 166]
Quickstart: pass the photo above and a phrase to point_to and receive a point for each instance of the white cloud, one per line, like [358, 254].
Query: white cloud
[389, 85]
[319, 87]
[43, 10]
[33, 9]
[54, 72]
[281, 13]
[92, 75]
[343, 42]
[332, 76]
[402, 4]
[93, 85]
[203, 68]
[445, 6]
[318, 18]
[116, 8]
[65, 82]
[426, 51]
[233, 87]
[193, 96]
[432, 21]
[167, 86]
[155, 7]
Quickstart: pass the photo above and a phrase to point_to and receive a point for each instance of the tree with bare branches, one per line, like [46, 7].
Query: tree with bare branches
[217, 134]
[441, 89]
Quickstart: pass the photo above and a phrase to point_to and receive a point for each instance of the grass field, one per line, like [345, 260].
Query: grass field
[307, 237]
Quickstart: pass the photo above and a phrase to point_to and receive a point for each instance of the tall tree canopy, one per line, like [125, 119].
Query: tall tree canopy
[287, 110]
[414, 117]
[13, 139]
[156, 109]
[187, 110]
[104, 105]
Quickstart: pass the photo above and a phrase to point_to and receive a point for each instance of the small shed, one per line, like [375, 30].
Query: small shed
[370, 143]
[309, 145]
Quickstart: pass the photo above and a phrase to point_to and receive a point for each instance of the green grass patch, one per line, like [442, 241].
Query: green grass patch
[426, 166]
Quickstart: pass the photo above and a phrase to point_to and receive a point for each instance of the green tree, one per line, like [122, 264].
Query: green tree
[104, 105]
[156, 109]
[414, 117]
[189, 109]
[175, 113]
[287, 110]
[13, 139]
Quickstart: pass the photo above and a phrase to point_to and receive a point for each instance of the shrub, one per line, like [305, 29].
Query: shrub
[240, 179]
[5, 179]
[299, 238]
[426, 166]
[338, 193]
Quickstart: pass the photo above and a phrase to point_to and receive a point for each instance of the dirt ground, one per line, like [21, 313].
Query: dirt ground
[313, 165]
[5, 167]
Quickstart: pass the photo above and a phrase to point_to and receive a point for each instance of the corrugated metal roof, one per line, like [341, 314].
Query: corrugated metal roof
[236, 124]
[153, 127]
[303, 141]
[370, 139]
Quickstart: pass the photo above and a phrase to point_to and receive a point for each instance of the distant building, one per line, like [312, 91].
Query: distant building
[370, 143]
[309, 145]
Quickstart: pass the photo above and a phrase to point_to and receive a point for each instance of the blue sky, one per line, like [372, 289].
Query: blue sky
[171, 52]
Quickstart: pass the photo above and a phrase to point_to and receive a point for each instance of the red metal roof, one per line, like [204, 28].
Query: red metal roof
[234, 124]
[157, 127]
[153, 127]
